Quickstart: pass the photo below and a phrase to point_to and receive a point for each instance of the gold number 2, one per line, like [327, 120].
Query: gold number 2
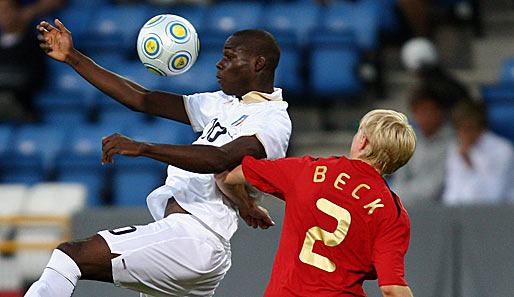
[343, 218]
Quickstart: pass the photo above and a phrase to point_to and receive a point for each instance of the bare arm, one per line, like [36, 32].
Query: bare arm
[396, 291]
[58, 44]
[195, 158]
[233, 185]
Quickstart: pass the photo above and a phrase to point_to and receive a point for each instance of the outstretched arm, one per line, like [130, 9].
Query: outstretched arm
[233, 185]
[57, 43]
[396, 291]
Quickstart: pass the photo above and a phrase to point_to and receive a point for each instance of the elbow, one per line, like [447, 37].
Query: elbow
[141, 102]
[396, 291]
[221, 177]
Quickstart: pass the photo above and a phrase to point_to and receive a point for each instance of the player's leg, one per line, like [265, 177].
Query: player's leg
[175, 256]
[71, 261]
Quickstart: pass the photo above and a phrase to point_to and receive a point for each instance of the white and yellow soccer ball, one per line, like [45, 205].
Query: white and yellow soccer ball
[168, 45]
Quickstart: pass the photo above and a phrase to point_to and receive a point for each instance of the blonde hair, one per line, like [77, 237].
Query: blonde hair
[391, 140]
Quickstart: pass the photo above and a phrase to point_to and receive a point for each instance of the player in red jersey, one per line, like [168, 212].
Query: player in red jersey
[342, 223]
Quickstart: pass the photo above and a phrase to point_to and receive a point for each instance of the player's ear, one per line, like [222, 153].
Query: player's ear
[363, 142]
[260, 62]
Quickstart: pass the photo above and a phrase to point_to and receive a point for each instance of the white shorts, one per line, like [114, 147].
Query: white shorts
[175, 256]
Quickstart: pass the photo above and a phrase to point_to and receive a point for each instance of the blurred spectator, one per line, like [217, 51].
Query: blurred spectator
[480, 164]
[420, 57]
[21, 60]
[421, 180]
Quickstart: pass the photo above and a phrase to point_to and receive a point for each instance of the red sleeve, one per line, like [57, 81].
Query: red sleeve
[269, 176]
[389, 250]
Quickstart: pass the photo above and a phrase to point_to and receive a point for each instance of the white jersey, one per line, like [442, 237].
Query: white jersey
[223, 118]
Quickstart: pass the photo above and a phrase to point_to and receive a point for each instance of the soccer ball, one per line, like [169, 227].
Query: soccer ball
[168, 45]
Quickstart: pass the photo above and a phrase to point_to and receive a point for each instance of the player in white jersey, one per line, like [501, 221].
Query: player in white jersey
[186, 252]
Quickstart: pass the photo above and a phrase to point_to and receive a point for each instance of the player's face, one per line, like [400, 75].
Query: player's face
[236, 67]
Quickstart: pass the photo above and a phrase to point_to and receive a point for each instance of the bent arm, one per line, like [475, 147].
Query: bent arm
[396, 291]
[195, 158]
[233, 185]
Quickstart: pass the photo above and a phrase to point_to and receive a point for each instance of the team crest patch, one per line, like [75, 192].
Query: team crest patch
[239, 121]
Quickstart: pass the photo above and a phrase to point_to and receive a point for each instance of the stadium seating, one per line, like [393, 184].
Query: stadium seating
[334, 65]
[299, 18]
[35, 147]
[65, 80]
[507, 72]
[501, 118]
[54, 199]
[62, 108]
[196, 15]
[289, 74]
[134, 178]
[227, 17]
[359, 17]
[112, 31]
[200, 78]
[6, 134]
[81, 160]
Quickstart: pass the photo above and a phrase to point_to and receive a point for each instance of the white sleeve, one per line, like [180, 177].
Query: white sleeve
[273, 129]
[201, 109]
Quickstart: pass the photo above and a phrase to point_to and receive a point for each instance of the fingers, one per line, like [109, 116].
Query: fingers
[108, 149]
[45, 27]
[61, 26]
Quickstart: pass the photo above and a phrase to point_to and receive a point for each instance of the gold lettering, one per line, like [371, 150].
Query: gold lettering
[354, 193]
[373, 205]
[319, 174]
[339, 180]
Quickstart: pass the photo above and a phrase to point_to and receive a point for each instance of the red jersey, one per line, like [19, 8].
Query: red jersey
[342, 225]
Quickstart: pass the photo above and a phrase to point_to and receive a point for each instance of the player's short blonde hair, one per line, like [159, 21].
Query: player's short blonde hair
[391, 139]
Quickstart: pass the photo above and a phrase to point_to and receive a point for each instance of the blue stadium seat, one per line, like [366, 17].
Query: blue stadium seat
[119, 114]
[16, 167]
[134, 179]
[66, 80]
[353, 16]
[334, 66]
[501, 118]
[507, 72]
[228, 17]
[116, 28]
[289, 72]
[162, 130]
[62, 108]
[498, 93]
[137, 72]
[80, 161]
[45, 141]
[299, 18]
[200, 78]
[6, 134]
[86, 169]
[97, 4]
[387, 16]
[77, 20]
[195, 14]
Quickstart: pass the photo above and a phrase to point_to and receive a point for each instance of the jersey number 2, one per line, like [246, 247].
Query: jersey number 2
[343, 218]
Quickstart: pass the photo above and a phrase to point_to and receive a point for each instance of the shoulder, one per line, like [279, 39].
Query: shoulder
[217, 96]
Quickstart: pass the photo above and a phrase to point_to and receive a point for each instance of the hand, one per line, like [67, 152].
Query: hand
[56, 42]
[257, 216]
[119, 144]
